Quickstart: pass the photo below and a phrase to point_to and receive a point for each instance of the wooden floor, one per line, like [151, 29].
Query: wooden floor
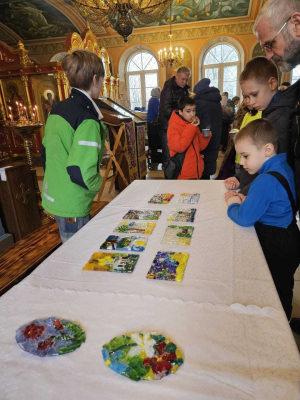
[24, 256]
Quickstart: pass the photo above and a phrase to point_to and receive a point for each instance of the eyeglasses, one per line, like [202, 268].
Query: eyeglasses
[269, 45]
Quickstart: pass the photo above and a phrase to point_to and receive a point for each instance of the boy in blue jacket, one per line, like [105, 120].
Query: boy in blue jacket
[270, 205]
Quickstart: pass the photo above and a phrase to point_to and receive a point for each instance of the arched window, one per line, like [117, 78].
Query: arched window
[296, 74]
[142, 77]
[221, 65]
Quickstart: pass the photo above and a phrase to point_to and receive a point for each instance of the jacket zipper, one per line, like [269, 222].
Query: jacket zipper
[196, 160]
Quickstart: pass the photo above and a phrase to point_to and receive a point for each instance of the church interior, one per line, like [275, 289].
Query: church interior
[213, 38]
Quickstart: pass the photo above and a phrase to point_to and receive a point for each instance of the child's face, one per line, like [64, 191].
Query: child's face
[252, 158]
[188, 113]
[259, 95]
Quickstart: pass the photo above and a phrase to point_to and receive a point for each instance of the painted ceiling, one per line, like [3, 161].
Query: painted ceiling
[51, 19]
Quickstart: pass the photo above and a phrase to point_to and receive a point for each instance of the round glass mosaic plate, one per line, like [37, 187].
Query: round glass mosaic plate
[50, 337]
[148, 356]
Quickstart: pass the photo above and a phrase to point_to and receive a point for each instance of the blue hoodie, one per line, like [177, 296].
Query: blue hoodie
[267, 201]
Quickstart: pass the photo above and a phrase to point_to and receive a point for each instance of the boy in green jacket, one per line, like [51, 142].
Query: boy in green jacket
[73, 145]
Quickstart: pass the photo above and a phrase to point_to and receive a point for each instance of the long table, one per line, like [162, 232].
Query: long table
[225, 315]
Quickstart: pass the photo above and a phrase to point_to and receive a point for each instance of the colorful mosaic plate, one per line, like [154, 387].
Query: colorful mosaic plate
[112, 262]
[143, 228]
[163, 198]
[189, 198]
[142, 356]
[50, 337]
[143, 214]
[183, 215]
[176, 234]
[129, 243]
[168, 266]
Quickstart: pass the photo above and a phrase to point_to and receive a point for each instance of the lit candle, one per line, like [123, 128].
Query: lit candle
[37, 114]
[27, 119]
[10, 116]
[18, 108]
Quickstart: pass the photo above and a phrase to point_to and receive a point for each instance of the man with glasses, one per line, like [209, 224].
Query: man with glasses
[277, 28]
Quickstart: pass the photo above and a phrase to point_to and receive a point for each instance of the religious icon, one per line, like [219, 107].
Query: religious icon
[14, 98]
[48, 102]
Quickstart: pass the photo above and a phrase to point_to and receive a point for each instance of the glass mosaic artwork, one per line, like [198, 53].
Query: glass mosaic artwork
[182, 215]
[142, 356]
[168, 266]
[50, 337]
[128, 243]
[112, 262]
[163, 198]
[143, 214]
[189, 198]
[143, 228]
[177, 234]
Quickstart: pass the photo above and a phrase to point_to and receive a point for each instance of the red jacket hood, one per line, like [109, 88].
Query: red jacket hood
[176, 119]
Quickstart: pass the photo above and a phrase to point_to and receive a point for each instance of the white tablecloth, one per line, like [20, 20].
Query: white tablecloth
[225, 314]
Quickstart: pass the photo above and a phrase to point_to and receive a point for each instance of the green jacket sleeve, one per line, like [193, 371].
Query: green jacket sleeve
[85, 155]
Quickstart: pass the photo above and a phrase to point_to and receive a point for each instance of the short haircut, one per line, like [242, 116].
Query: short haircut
[260, 132]
[260, 69]
[185, 101]
[184, 70]
[80, 66]
[277, 12]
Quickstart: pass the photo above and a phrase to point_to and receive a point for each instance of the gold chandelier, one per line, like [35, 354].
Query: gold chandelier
[120, 14]
[173, 56]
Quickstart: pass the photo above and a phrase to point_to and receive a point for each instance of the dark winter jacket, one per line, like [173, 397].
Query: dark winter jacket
[293, 148]
[209, 111]
[278, 112]
[169, 97]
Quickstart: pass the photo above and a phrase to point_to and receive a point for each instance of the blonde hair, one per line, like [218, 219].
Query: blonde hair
[259, 132]
[81, 66]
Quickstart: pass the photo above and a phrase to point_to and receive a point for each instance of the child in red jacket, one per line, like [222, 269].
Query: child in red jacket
[183, 133]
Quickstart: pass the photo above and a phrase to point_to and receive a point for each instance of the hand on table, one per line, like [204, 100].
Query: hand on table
[231, 183]
[232, 198]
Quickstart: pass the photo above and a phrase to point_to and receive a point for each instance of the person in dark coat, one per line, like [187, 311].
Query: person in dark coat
[209, 111]
[173, 89]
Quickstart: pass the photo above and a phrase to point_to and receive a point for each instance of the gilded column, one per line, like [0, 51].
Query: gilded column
[58, 78]
[3, 114]
[24, 79]
[65, 83]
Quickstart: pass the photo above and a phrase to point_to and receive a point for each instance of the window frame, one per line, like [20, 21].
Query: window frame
[221, 66]
[142, 74]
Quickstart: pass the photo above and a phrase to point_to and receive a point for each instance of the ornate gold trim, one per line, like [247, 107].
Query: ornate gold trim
[240, 28]
[3, 108]
[58, 76]
[24, 79]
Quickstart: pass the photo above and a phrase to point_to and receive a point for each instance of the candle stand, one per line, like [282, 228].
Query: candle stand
[26, 131]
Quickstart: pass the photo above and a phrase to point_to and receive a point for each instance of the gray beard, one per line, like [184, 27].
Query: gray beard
[291, 56]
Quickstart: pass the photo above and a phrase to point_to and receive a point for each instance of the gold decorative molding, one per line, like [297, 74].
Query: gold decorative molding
[239, 28]
[46, 48]
[24, 79]
[2, 109]
[59, 76]
[23, 54]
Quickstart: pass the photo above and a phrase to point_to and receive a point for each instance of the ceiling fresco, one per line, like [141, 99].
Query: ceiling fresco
[203, 10]
[34, 19]
[47, 19]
